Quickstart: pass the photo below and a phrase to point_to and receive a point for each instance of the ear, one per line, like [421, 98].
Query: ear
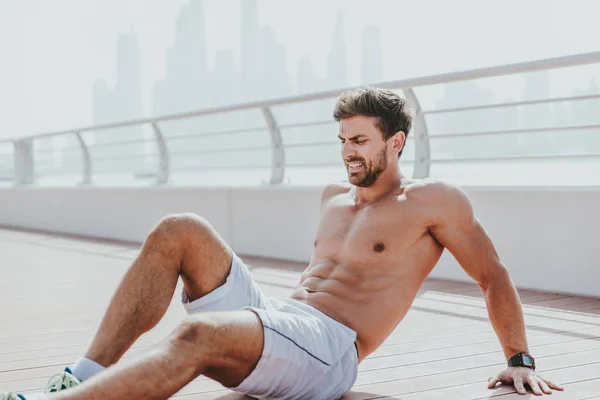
[398, 140]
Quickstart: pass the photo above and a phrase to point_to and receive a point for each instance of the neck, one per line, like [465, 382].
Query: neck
[386, 183]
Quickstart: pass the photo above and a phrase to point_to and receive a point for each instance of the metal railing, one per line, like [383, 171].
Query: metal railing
[160, 154]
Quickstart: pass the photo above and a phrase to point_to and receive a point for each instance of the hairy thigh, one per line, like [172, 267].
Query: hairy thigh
[228, 345]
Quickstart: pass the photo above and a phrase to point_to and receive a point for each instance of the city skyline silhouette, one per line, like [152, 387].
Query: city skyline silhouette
[262, 70]
[190, 85]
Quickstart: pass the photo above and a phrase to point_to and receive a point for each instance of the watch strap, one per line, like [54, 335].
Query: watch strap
[522, 359]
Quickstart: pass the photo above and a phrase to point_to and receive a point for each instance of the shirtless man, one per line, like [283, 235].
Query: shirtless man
[378, 239]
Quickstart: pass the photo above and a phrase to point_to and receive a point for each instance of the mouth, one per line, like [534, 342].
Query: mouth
[355, 166]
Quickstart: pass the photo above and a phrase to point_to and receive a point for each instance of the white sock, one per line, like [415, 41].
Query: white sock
[85, 368]
[37, 396]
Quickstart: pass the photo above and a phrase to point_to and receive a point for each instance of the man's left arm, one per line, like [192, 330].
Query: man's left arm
[457, 229]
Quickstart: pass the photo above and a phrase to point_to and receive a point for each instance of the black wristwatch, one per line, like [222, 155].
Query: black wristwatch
[522, 360]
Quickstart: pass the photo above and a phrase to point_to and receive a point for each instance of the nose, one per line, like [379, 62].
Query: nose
[347, 150]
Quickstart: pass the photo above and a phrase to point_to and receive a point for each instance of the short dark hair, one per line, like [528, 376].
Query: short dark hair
[389, 108]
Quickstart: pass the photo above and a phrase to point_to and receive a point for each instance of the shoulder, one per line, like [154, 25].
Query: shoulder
[433, 190]
[443, 199]
[333, 189]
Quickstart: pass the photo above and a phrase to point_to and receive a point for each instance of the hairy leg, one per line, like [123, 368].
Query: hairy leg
[224, 346]
[180, 245]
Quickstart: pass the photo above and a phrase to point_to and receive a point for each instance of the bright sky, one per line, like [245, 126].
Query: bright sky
[53, 51]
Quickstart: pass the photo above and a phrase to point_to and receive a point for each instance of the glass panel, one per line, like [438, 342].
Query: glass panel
[123, 156]
[58, 160]
[312, 111]
[574, 141]
[532, 116]
[210, 124]
[571, 172]
[145, 177]
[7, 164]
[499, 119]
[322, 133]
[244, 159]
[224, 158]
[224, 141]
[563, 82]
[322, 154]
[246, 177]
[314, 176]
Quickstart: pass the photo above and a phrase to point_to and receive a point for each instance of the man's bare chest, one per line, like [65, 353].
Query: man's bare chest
[380, 231]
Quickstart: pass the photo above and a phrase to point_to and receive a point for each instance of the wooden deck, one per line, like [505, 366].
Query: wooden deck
[54, 290]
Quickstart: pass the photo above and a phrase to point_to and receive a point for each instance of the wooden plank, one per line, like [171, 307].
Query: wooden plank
[429, 378]
[478, 390]
[483, 341]
[445, 348]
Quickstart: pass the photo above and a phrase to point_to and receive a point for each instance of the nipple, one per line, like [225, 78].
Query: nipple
[379, 247]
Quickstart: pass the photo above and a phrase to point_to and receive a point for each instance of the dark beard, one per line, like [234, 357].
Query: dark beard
[375, 169]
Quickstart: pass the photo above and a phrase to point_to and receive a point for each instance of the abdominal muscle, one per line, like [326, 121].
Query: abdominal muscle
[370, 303]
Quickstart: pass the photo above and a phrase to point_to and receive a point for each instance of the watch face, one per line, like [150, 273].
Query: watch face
[527, 360]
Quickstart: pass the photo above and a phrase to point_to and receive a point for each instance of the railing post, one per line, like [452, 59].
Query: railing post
[278, 154]
[86, 178]
[421, 134]
[163, 168]
[23, 162]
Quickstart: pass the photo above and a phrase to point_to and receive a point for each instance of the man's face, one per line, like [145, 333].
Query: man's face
[364, 151]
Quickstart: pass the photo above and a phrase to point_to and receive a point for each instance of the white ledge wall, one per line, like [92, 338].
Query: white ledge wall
[546, 237]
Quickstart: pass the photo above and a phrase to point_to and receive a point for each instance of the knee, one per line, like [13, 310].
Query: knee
[191, 343]
[178, 227]
[196, 331]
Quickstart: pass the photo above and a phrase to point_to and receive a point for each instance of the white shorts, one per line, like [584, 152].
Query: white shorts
[306, 354]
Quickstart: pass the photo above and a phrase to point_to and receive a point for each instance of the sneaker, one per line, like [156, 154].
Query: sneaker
[11, 396]
[62, 381]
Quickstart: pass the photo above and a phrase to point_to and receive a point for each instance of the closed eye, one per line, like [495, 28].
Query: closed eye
[359, 142]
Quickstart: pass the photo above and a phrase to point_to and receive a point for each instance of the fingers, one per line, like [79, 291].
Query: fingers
[519, 385]
[544, 386]
[493, 382]
[554, 385]
[539, 386]
[533, 383]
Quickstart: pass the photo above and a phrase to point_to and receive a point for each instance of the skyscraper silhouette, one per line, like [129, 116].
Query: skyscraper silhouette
[253, 54]
[337, 76]
[123, 102]
[273, 81]
[308, 82]
[186, 84]
[264, 69]
[186, 75]
[371, 55]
